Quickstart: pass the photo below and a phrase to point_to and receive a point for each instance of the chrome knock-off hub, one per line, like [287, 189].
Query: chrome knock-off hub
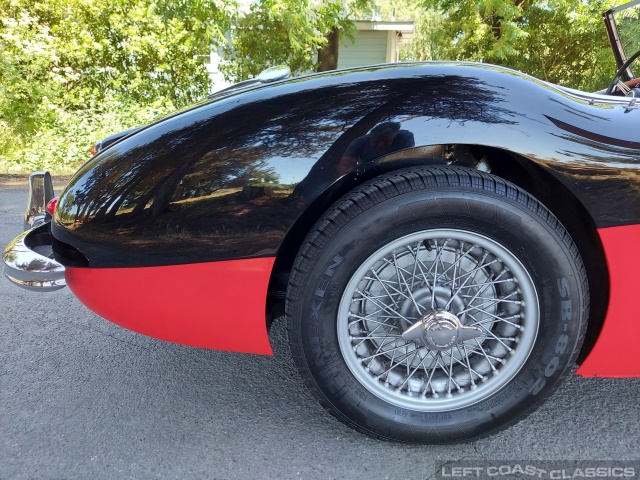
[440, 330]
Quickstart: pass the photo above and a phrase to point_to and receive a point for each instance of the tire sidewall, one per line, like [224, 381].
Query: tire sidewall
[544, 252]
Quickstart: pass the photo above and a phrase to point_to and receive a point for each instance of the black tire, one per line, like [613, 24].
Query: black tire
[501, 254]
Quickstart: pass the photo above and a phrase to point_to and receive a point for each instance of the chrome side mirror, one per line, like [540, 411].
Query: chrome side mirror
[273, 74]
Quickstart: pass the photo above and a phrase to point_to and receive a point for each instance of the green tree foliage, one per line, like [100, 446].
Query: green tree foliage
[562, 41]
[74, 71]
[566, 43]
[274, 32]
[287, 32]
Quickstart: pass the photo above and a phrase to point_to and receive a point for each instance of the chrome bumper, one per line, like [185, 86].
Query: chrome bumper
[27, 268]
[28, 259]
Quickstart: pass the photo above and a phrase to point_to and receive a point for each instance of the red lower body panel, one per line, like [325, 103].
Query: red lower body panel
[616, 352]
[221, 305]
[218, 305]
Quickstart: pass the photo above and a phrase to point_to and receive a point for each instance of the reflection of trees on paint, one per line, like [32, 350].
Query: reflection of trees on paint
[151, 175]
[435, 96]
[233, 149]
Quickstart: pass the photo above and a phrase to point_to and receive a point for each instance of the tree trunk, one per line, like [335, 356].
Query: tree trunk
[328, 55]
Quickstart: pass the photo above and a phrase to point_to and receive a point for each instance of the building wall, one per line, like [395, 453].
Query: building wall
[370, 47]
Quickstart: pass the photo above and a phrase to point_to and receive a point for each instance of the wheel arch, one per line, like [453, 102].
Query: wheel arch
[523, 172]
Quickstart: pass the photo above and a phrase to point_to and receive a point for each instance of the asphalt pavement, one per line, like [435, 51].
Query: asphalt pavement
[81, 398]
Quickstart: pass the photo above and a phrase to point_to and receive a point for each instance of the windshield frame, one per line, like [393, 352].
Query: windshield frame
[614, 36]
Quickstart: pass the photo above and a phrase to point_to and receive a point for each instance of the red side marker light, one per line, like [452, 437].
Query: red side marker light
[51, 206]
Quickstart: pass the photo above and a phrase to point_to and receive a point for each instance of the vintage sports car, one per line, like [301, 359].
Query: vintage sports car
[445, 239]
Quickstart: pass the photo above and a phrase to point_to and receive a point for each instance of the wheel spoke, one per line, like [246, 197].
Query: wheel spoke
[371, 336]
[407, 286]
[471, 371]
[409, 374]
[486, 355]
[450, 374]
[482, 307]
[392, 365]
[497, 318]
[456, 263]
[382, 284]
[495, 337]
[383, 352]
[383, 306]
[437, 358]
[361, 319]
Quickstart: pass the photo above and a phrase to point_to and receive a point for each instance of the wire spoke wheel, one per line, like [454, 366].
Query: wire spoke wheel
[465, 274]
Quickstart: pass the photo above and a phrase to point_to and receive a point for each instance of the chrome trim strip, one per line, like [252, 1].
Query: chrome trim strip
[29, 269]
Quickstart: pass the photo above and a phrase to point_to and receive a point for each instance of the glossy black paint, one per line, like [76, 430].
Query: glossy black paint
[229, 178]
